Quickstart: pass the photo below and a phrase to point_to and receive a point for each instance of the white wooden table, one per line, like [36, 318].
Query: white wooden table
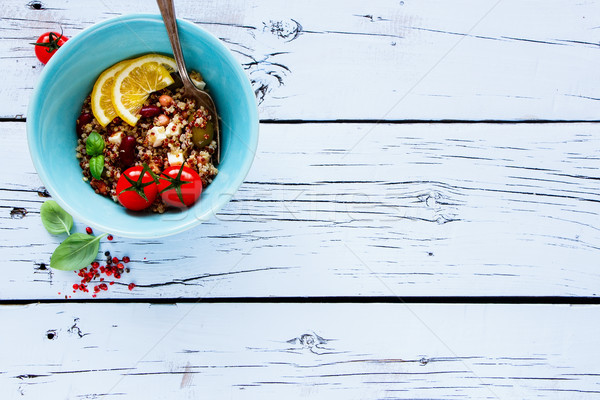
[422, 220]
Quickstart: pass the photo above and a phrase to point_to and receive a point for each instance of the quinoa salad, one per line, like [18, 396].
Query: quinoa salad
[162, 137]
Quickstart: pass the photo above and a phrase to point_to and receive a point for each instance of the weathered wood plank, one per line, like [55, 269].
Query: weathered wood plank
[411, 210]
[320, 351]
[428, 60]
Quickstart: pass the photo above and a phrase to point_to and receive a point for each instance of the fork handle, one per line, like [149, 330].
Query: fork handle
[167, 10]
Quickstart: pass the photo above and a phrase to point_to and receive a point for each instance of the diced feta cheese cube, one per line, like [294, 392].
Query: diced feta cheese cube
[156, 136]
[173, 129]
[175, 157]
[199, 84]
[115, 138]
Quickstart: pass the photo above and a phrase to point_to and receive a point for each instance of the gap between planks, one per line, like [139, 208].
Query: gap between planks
[529, 300]
[396, 121]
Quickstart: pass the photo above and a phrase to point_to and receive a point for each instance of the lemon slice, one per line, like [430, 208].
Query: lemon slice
[102, 106]
[101, 102]
[134, 83]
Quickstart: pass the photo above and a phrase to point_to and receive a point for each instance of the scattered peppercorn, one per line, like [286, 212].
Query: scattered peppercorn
[110, 237]
[89, 230]
[95, 271]
[126, 259]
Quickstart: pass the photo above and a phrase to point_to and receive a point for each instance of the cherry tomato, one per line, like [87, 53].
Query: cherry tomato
[136, 188]
[47, 44]
[180, 186]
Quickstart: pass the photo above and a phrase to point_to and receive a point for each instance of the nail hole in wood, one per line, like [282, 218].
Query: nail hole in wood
[42, 192]
[18, 213]
[35, 5]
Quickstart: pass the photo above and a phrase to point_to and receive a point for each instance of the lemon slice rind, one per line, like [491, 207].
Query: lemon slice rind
[101, 101]
[171, 66]
[166, 61]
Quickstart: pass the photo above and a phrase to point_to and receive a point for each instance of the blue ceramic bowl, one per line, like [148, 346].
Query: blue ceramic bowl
[68, 79]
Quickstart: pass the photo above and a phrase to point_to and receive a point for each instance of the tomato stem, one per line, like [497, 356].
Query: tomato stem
[175, 184]
[139, 186]
[53, 42]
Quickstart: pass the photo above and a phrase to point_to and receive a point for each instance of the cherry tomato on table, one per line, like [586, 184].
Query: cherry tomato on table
[136, 188]
[47, 44]
[179, 186]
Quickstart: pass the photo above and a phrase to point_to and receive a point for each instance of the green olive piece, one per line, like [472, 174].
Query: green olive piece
[202, 137]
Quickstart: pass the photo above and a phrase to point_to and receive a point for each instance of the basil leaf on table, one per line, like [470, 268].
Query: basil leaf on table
[96, 166]
[94, 145]
[55, 219]
[76, 252]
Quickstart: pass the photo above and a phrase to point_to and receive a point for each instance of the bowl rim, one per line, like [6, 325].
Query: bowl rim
[54, 63]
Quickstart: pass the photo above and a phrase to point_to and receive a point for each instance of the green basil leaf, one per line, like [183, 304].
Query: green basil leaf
[76, 252]
[55, 219]
[94, 145]
[96, 166]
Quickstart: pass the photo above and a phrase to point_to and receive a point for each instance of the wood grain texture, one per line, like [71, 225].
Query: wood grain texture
[430, 60]
[357, 210]
[317, 351]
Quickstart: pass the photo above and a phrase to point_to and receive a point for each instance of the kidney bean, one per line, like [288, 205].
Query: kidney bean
[149, 111]
[127, 151]
[84, 119]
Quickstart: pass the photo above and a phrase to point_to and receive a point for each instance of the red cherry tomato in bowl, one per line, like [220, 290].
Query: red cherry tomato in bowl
[179, 186]
[136, 188]
[47, 44]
